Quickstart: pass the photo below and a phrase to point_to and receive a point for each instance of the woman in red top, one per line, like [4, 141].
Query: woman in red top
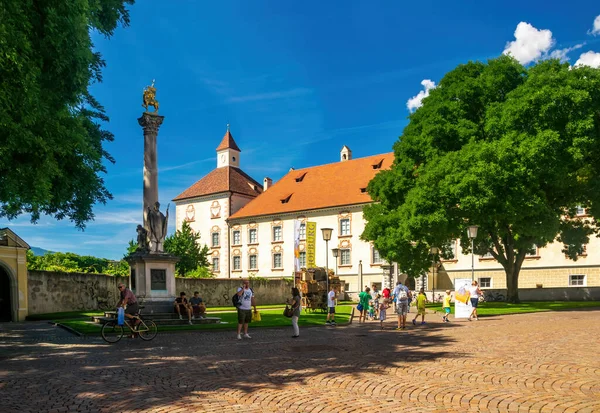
[386, 293]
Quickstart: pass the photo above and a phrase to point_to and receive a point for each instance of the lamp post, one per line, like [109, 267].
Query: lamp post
[335, 252]
[472, 234]
[327, 237]
[433, 250]
[387, 271]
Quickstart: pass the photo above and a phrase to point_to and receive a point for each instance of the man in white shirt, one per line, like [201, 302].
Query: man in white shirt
[401, 294]
[246, 299]
[331, 301]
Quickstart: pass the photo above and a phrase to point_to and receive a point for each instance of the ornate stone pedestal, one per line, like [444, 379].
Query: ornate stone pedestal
[153, 280]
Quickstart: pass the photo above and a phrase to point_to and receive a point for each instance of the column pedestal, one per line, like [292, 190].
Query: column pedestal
[153, 280]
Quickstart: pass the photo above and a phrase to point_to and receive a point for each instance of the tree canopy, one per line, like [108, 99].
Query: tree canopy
[51, 134]
[192, 257]
[511, 149]
[70, 262]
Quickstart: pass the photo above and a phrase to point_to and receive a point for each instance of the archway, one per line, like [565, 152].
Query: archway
[5, 296]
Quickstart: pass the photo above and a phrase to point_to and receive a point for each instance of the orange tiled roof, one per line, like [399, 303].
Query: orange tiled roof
[335, 184]
[228, 143]
[225, 179]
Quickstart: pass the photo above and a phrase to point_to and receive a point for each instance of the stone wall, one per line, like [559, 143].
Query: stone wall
[53, 292]
[551, 294]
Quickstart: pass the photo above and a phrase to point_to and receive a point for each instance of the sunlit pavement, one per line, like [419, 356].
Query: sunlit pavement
[544, 362]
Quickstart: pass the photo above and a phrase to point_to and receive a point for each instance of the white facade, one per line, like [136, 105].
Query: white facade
[274, 256]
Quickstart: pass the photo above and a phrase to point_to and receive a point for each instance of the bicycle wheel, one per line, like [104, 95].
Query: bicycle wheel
[147, 330]
[112, 332]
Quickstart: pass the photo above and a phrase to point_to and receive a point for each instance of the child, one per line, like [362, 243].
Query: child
[371, 311]
[421, 300]
[446, 306]
[385, 304]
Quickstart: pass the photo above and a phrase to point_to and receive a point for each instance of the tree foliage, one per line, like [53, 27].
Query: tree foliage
[192, 257]
[70, 262]
[511, 149]
[51, 137]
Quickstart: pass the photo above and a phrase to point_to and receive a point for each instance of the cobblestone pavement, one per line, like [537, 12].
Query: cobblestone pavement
[544, 362]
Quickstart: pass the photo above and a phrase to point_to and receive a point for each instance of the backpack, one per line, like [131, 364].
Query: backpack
[402, 296]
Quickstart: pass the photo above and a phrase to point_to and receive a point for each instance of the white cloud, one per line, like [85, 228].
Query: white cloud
[529, 44]
[416, 101]
[591, 59]
[596, 29]
[562, 53]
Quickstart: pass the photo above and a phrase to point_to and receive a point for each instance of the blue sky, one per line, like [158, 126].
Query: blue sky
[296, 81]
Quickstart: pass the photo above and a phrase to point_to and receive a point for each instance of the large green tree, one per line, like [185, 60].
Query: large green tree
[185, 245]
[51, 134]
[511, 149]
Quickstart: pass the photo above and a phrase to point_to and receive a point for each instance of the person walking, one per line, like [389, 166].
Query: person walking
[331, 302]
[295, 303]
[244, 311]
[474, 293]
[383, 311]
[363, 303]
[401, 295]
[375, 296]
[446, 306]
[421, 300]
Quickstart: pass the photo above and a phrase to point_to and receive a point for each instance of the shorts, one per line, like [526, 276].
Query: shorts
[474, 302]
[199, 309]
[331, 310]
[446, 310]
[183, 308]
[420, 311]
[132, 309]
[244, 316]
[402, 307]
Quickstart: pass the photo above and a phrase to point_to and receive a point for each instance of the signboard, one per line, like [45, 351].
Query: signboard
[311, 238]
[462, 302]
[296, 245]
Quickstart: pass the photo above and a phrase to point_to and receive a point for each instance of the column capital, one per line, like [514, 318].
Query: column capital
[150, 122]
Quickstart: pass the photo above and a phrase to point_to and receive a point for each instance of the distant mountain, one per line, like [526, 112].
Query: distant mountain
[39, 251]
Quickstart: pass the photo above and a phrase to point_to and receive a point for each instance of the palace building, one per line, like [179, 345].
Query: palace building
[255, 229]
[249, 227]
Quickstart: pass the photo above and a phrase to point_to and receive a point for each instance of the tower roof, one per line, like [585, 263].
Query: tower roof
[228, 142]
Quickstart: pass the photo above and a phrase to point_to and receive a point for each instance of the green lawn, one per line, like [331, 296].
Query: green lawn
[63, 316]
[494, 308]
[270, 318]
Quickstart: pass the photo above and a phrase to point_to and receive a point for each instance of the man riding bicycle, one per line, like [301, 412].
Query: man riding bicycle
[129, 303]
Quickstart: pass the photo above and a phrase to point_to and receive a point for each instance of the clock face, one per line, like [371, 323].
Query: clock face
[222, 158]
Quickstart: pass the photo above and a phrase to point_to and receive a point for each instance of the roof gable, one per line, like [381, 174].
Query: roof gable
[9, 238]
[323, 186]
[225, 179]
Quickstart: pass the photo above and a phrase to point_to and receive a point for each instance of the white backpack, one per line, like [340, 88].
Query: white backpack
[402, 296]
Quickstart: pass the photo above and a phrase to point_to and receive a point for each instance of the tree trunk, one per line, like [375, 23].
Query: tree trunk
[512, 285]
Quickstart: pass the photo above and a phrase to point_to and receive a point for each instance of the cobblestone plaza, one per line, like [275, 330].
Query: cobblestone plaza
[543, 362]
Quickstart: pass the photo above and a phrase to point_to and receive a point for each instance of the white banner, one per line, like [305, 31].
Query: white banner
[462, 302]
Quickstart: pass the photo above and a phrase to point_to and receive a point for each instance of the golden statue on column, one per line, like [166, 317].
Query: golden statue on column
[149, 97]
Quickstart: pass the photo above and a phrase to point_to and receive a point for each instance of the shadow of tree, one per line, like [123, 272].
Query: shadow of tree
[45, 371]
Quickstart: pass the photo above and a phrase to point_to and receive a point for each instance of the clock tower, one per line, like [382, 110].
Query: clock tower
[228, 153]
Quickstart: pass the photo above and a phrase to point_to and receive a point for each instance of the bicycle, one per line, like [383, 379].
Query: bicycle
[113, 332]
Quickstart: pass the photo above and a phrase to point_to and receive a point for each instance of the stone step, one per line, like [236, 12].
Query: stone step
[153, 316]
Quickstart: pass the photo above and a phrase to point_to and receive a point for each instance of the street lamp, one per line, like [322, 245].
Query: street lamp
[472, 234]
[327, 237]
[335, 252]
[433, 250]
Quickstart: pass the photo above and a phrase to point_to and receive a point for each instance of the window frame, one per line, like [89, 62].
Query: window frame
[479, 280]
[347, 251]
[302, 259]
[375, 252]
[239, 237]
[302, 231]
[274, 233]
[255, 256]
[239, 262]
[250, 232]
[583, 280]
[274, 263]
[212, 240]
[342, 222]
[218, 266]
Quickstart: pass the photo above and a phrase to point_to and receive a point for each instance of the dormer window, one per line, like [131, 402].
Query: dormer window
[300, 177]
[378, 164]
[363, 190]
[286, 199]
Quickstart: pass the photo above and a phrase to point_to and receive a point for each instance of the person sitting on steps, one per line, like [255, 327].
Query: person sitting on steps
[198, 307]
[182, 305]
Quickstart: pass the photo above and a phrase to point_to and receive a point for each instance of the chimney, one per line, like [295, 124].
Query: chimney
[267, 183]
[345, 154]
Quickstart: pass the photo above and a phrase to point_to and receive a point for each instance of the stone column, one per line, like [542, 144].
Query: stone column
[150, 122]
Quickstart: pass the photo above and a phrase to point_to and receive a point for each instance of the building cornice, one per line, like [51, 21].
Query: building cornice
[289, 214]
